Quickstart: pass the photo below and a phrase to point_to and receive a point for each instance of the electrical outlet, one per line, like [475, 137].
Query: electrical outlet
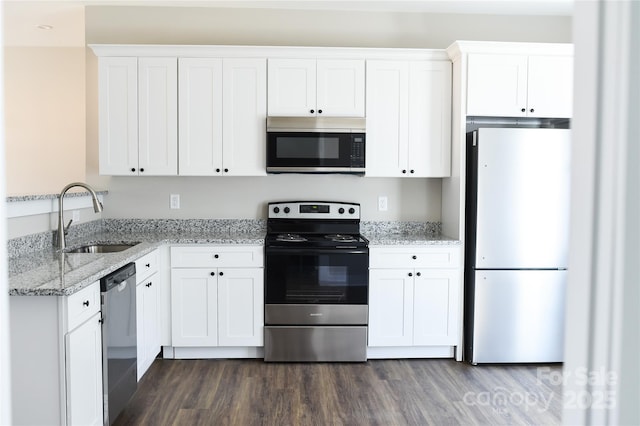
[75, 215]
[383, 203]
[175, 201]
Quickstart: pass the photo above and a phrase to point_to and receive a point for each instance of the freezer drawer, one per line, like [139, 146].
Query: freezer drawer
[517, 316]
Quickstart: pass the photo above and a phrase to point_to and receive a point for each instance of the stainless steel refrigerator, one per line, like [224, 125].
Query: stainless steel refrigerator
[517, 232]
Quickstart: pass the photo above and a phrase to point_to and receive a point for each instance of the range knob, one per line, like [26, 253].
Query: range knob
[352, 210]
[287, 209]
[340, 210]
[276, 210]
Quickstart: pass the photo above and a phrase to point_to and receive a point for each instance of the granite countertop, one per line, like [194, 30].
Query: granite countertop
[35, 271]
[49, 273]
[409, 239]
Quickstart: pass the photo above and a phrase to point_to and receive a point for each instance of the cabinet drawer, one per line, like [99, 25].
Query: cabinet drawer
[237, 256]
[414, 257]
[146, 266]
[82, 305]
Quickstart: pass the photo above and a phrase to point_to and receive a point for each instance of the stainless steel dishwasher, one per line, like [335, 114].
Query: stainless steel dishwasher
[119, 346]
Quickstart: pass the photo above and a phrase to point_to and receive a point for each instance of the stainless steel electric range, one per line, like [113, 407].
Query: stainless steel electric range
[316, 283]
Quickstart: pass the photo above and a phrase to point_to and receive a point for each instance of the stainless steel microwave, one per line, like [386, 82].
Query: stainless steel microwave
[316, 145]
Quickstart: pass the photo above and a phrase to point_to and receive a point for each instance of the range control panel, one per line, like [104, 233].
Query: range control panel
[313, 210]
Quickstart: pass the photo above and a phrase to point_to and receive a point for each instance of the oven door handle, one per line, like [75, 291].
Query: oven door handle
[312, 251]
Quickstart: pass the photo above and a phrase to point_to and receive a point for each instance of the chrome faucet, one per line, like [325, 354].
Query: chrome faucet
[97, 207]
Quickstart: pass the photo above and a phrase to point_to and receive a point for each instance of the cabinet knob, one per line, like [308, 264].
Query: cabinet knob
[412, 171]
[149, 284]
[133, 169]
[148, 265]
[523, 109]
[531, 110]
[226, 170]
[418, 274]
[221, 273]
[216, 256]
[414, 257]
[410, 274]
[212, 274]
[312, 111]
[85, 303]
[319, 111]
[141, 169]
[404, 171]
[217, 170]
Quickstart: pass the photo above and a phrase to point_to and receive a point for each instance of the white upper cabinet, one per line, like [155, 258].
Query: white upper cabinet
[118, 115]
[408, 118]
[505, 85]
[200, 109]
[244, 117]
[138, 116]
[309, 87]
[222, 104]
[340, 88]
[550, 91]
[158, 116]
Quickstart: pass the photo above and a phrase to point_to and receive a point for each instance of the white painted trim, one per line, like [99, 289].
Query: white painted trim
[509, 48]
[35, 207]
[602, 336]
[215, 352]
[185, 51]
[379, 352]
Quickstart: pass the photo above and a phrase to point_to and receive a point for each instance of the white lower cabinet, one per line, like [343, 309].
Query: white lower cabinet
[56, 359]
[147, 311]
[214, 305]
[83, 363]
[414, 302]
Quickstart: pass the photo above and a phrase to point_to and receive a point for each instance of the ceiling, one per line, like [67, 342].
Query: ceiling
[64, 24]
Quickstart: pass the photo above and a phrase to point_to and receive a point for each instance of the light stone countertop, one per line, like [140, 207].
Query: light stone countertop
[49, 273]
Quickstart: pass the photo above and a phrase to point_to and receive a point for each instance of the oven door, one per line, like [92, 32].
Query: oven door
[327, 276]
[315, 152]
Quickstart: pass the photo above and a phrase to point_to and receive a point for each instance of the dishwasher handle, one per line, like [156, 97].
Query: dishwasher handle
[118, 277]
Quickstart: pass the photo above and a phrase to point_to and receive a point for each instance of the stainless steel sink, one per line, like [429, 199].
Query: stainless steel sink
[101, 248]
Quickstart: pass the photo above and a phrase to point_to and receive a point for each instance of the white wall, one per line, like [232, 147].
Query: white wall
[238, 197]
[188, 25]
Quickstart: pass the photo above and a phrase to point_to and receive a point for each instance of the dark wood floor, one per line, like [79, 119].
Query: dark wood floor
[379, 392]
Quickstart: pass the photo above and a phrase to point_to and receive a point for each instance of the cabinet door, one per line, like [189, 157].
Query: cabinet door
[429, 119]
[148, 322]
[435, 307]
[292, 87]
[240, 307]
[83, 362]
[244, 117]
[118, 115]
[497, 85]
[387, 118]
[158, 116]
[194, 307]
[340, 88]
[200, 116]
[550, 86]
[390, 307]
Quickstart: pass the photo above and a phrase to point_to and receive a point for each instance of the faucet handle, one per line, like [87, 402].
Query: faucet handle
[66, 228]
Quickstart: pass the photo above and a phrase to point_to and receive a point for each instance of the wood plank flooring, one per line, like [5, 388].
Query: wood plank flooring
[378, 392]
